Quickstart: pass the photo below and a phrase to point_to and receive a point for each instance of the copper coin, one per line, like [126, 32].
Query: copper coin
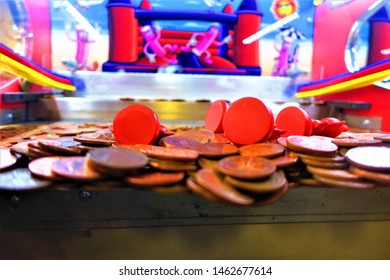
[220, 138]
[383, 137]
[312, 145]
[208, 163]
[371, 175]
[282, 141]
[75, 168]
[213, 150]
[94, 141]
[179, 142]
[335, 158]
[22, 147]
[355, 142]
[59, 149]
[270, 198]
[193, 186]
[275, 182]
[267, 150]
[371, 158]
[246, 167]
[289, 158]
[167, 153]
[33, 152]
[171, 161]
[6, 158]
[68, 132]
[117, 158]
[344, 183]
[41, 167]
[201, 135]
[325, 164]
[164, 166]
[20, 179]
[211, 181]
[156, 178]
[341, 174]
[308, 182]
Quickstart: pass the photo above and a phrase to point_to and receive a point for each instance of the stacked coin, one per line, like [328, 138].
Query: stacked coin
[321, 157]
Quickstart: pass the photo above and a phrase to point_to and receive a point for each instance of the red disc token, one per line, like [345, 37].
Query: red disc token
[248, 121]
[136, 124]
[215, 115]
[295, 121]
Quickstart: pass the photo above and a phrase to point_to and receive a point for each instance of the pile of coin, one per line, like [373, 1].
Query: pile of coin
[196, 160]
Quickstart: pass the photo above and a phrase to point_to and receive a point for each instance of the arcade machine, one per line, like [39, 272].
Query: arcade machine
[180, 147]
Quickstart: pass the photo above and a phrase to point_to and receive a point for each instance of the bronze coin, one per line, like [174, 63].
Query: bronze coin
[22, 147]
[325, 164]
[33, 152]
[383, 137]
[201, 135]
[308, 182]
[289, 158]
[267, 150]
[193, 186]
[171, 161]
[275, 182]
[167, 153]
[68, 132]
[371, 175]
[166, 166]
[59, 149]
[371, 158]
[341, 174]
[41, 167]
[20, 179]
[246, 167]
[210, 180]
[343, 151]
[312, 145]
[282, 141]
[179, 142]
[208, 163]
[355, 142]
[117, 158]
[76, 168]
[6, 158]
[271, 198]
[220, 138]
[93, 141]
[335, 158]
[337, 183]
[156, 178]
[213, 150]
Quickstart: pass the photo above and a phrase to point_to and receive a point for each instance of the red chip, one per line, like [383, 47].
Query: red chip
[136, 124]
[295, 121]
[248, 121]
[215, 115]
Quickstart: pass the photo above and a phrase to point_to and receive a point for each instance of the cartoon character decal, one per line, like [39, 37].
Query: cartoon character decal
[153, 47]
[283, 8]
[201, 41]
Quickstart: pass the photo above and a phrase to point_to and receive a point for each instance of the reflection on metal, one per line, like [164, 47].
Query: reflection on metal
[352, 41]
[185, 86]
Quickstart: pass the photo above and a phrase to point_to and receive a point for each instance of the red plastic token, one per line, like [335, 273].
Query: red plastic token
[295, 121]
[248, 121]
[136, 124]
[215, 115]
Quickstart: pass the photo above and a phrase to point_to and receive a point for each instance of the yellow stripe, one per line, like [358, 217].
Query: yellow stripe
[13, 67]
[348, 85]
